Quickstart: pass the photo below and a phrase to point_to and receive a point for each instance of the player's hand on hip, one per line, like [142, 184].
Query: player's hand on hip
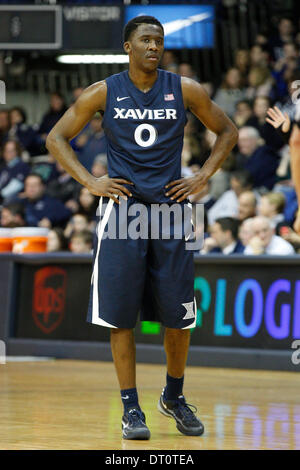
[179, 190]
[110, 187]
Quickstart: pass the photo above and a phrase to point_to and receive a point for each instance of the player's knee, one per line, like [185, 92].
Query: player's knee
[121, 331]
[177, 332]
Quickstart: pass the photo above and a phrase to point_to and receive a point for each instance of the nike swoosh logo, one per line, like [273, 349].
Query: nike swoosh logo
[123, 98]
[126, 398]
[177, 25]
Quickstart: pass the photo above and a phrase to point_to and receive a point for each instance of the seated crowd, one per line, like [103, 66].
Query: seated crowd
[249, 204]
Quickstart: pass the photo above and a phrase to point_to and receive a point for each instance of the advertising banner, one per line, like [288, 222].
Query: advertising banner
[238, 305]
[185, 26]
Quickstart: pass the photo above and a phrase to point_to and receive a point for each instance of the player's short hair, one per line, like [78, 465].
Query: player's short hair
[135, 22]
[229, 223]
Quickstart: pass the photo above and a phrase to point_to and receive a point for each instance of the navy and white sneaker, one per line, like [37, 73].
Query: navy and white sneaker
[134, 425]
[186, 420]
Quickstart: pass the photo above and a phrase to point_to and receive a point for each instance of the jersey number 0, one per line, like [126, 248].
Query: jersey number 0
[138, 135]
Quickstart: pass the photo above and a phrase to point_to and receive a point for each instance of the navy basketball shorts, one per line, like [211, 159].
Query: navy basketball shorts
[141, 265]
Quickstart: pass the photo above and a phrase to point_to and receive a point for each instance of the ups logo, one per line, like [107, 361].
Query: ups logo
[49, 298]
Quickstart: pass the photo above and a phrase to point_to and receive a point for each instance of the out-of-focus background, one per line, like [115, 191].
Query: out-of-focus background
[247, 286]
[246, 55]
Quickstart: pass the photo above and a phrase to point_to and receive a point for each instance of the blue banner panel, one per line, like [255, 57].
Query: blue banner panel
[247, 305]
[186, 26]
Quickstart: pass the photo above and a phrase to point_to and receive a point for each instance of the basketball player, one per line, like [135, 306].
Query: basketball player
[144, 119]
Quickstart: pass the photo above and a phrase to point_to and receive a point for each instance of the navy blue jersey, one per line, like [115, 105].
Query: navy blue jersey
[145, 133]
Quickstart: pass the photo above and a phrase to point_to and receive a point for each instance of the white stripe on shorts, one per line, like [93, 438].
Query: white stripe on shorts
[96, 320]
[195, 321]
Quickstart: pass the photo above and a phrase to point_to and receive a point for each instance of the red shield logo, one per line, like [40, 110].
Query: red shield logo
[49, 298]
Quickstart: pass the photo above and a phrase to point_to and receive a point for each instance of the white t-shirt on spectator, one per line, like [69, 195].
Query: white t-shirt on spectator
[277, 246]
[226, 206]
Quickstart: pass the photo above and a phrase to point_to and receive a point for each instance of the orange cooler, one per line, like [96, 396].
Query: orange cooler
[5, 239]
[29, 239]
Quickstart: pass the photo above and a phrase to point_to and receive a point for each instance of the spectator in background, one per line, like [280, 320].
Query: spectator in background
[289, 103]
[26, 135]
[219, 182]
[230, 92]
[260, 82]
[4, 125]
[282, 123]
[57, 109]
[227, 204]
[259, 56]
[209, 88]
[247, 205]
[56, 240]
[260, 160]
[242, 63]
[258, 120]
[81, 242]
[290, 51]
[203, 197]
[169, 62]
[284, 118]
[87, 203]
[225, 234]
[272, 205]
[99, 167]
[42, 210]
[243, 112]
[186, 70]
[285, 68]
[13, 171]
[191, 150]
[246, 231]
[76, 224]
[265, 242]
[91, 142]
[262, 39]
[12, 215]
[284, 34]
[64, 188]
[76, 92]
[47, 168]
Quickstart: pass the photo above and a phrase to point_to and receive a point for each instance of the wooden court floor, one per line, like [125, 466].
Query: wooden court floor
[67, 404]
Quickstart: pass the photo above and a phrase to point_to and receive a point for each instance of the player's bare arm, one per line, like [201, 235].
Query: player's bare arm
[72, 122]
[199, 103]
